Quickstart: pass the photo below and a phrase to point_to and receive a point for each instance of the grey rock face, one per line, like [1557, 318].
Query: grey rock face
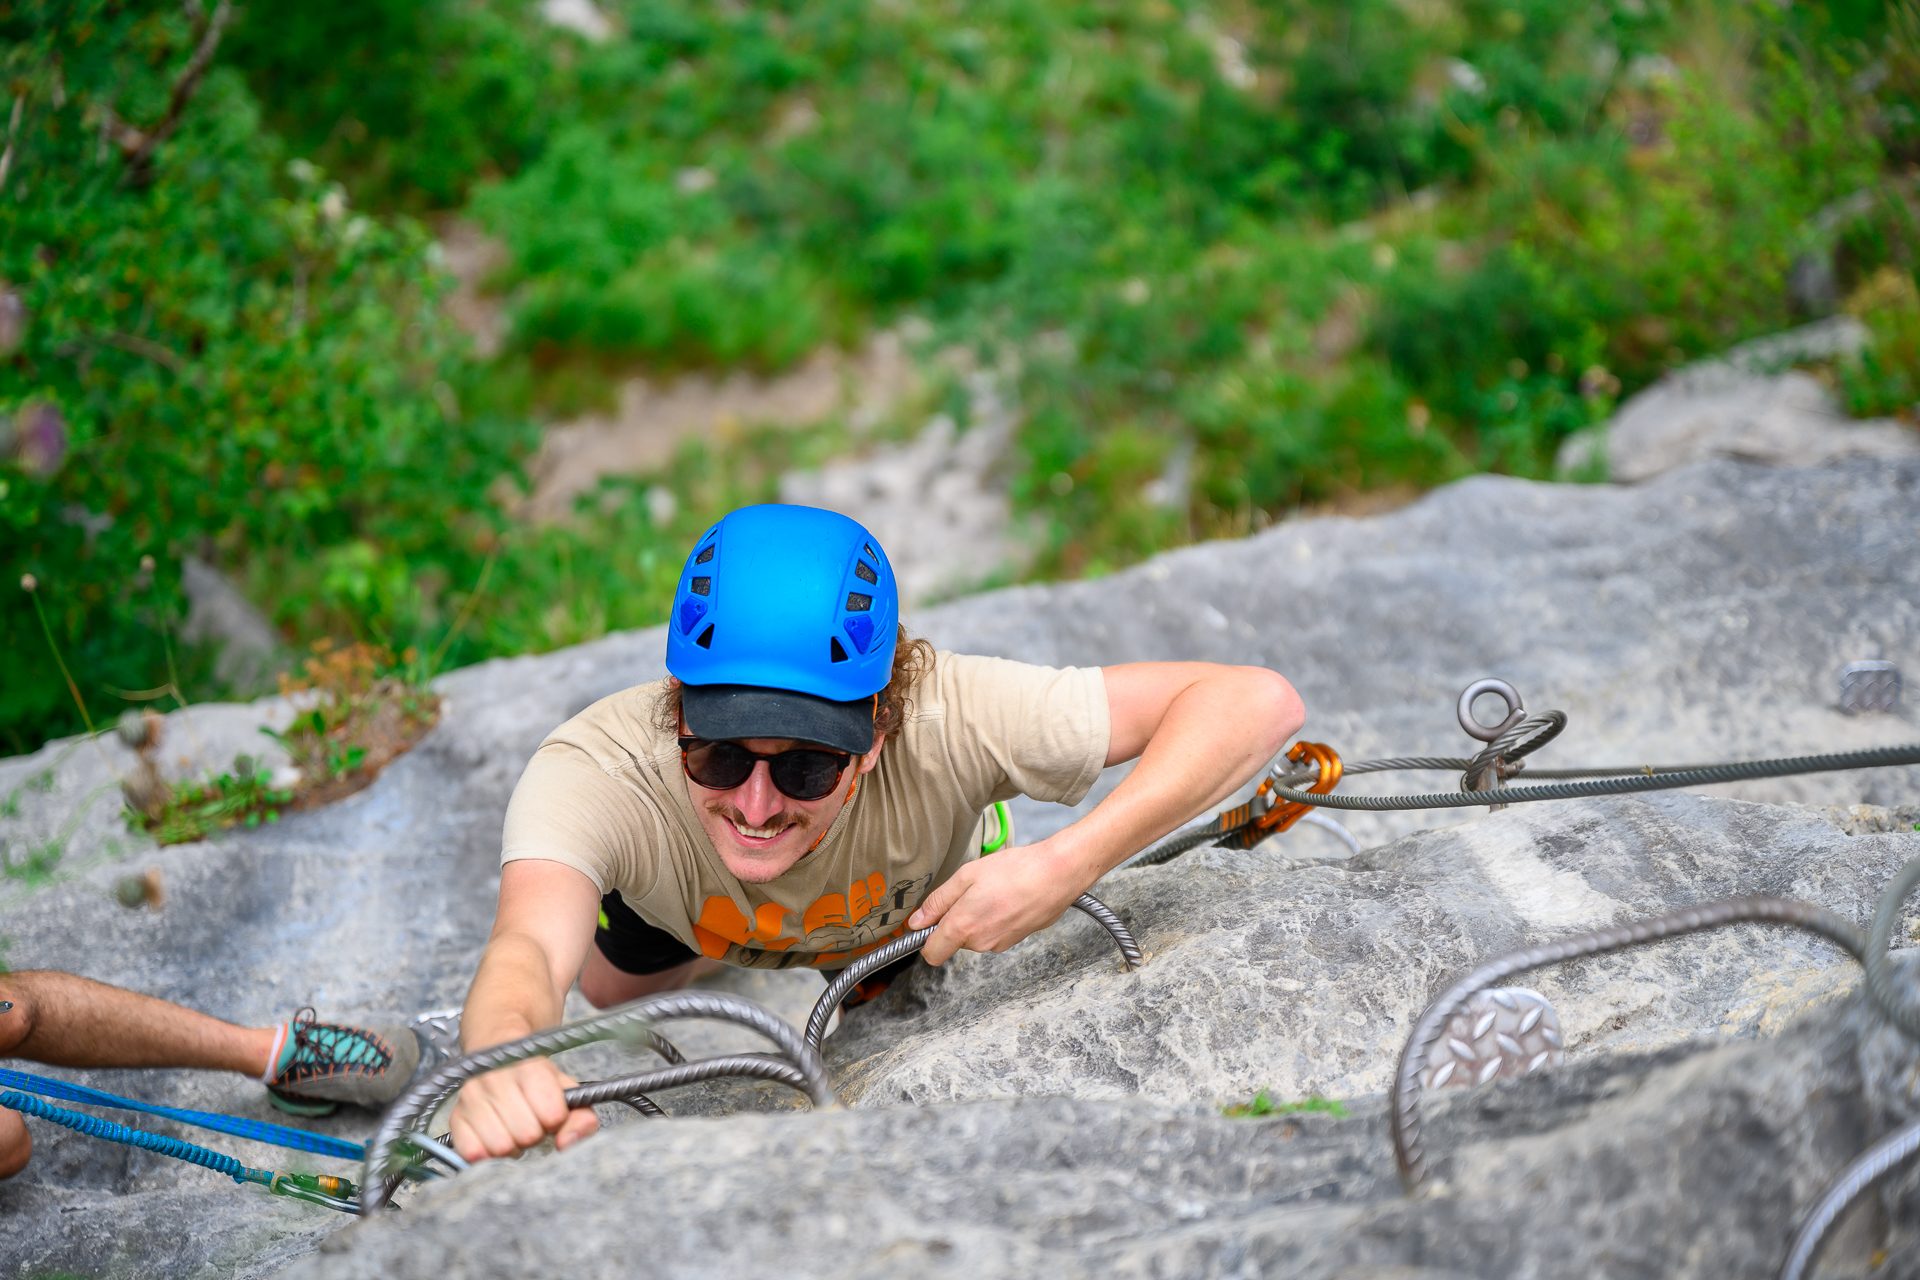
[1304, 981]
[1783, 420]
[1701, 615]
[1695, 1162]
[1741, 406]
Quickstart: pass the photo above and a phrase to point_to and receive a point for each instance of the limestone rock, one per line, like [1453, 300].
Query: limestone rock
[1305, 981]
[1740, 406]
[1698, 616]
[1692, 1163]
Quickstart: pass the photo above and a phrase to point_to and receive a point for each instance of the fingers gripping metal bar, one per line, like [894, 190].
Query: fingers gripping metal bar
[1403, 1103]
[421, 1100]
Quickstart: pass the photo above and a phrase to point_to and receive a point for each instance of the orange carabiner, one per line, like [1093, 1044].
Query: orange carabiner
[1288, 812]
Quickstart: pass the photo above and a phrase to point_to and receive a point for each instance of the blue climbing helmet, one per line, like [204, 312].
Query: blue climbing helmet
[783, 627]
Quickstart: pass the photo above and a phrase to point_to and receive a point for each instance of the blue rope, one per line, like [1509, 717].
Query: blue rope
[279, 1135]
[112, 1131]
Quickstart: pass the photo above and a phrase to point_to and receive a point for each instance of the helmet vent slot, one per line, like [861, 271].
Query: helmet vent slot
[705, 639]
[865, 572]
[857, 603]
[700, 586]
[839, 651]
[706, 554]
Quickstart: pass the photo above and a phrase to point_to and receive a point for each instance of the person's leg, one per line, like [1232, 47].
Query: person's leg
[16, 1146]
[309, 1067]
[632, 958]
[68, 1021]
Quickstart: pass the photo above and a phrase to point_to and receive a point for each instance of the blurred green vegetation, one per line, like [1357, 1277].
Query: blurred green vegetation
[1295, 252]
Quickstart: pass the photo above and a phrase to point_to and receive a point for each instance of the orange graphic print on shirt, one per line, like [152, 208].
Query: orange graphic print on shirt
[833, 928]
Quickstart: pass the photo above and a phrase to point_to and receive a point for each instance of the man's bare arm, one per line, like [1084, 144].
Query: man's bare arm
[541, 933]
[1199, 731]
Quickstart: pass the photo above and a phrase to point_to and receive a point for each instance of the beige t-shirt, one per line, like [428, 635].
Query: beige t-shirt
[605, 794]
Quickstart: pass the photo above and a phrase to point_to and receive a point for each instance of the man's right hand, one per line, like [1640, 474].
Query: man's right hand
[504, 1112]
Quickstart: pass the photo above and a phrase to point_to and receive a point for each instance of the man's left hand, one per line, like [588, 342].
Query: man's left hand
[993, 902]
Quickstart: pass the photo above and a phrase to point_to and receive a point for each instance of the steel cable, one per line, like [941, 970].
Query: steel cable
[1403, 1103]
[1501, 757]
[426, 1095]
[1644, 777]
[1608, 786]
[440, 1151]
[1884, 1156]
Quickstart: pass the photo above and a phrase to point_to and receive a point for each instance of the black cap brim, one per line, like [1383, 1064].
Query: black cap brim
[732, 711]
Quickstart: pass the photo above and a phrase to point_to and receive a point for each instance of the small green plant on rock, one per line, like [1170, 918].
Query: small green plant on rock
[1263, 1104]
[358, 710]
[245, 797]
[361, 709]
[34, 864]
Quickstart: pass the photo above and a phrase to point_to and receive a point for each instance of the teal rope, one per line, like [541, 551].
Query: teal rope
[278, 1135]
[113, 1131]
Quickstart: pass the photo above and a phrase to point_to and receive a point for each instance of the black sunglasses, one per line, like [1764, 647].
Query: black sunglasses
[799, 773]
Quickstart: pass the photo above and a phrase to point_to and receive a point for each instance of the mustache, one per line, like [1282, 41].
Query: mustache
[731, 814]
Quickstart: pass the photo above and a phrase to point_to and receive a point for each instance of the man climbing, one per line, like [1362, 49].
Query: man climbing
[810, 782]
[309, 1067]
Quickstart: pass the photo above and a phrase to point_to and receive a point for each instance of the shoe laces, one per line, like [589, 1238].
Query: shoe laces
[322, 1044]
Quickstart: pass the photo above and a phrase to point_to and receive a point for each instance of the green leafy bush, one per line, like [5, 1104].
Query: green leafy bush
[410, 101]
[219, 358]
[1234, 261]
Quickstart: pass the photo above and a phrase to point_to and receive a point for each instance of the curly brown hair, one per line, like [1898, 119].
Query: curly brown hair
[912, 663]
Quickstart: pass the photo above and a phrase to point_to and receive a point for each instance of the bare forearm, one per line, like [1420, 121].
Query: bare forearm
[1214, 736]
[514, 994]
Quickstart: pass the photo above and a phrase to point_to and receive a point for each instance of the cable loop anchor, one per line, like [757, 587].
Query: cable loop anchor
[1516, 710]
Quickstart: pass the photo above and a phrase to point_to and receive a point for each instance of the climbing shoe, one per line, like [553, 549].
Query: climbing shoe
[319, 1065]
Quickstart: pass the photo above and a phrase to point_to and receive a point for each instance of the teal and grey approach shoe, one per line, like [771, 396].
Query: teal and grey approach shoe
[321, 1065]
